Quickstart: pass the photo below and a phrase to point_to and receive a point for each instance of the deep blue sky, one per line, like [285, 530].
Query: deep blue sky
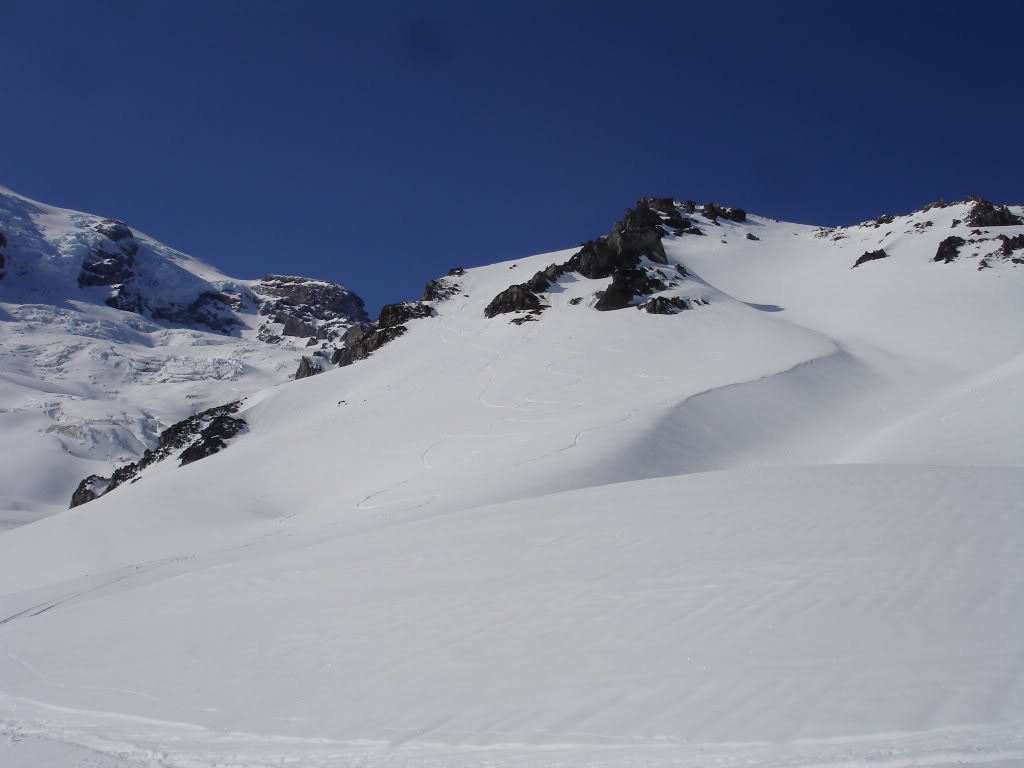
[378, 144]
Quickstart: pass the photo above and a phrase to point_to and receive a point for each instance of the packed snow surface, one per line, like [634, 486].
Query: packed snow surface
[784, 528]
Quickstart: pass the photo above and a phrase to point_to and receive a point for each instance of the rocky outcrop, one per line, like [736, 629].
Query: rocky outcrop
[619, 255]
[111, 262]
[949, 249]
[396, 314]
[362, 341]
[106, 268]
[90, 488]
[870, 256]
[1010, 244]
[515, 298]
[627, 284]
[324, 300]
[118, 232]
[986, 214]
[443, 288]
[308, 366]
[307, 308]
[196, 437]
[663, 305]
[714, 212]
[213, 309]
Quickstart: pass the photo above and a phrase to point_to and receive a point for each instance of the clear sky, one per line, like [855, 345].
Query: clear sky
[377, 144]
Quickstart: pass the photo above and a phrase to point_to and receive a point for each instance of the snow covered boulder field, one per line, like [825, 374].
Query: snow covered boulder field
[711, 489]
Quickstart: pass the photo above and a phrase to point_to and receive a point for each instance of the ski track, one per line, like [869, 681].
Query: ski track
[133, 742]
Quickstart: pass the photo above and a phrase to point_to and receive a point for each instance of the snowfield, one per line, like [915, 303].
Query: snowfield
[783, 528]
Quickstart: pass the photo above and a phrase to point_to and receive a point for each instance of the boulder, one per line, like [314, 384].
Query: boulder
[751, 236]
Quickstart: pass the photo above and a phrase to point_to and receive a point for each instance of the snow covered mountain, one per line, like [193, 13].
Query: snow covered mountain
[108, 337]
[709, 489]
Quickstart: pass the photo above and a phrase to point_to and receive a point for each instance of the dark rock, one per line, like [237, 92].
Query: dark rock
[456, 272]
[362, 341]
[642, 216]
[885, 218]
[949, 249]
[342, 357]
[357, 333]
[542, 280]
[661, 305]
[396, 314]
[986, 214]
[689, 207]
[211, 308]
[312, 342]
[576, 301]
[712, 212]
[293, 326]
[936, 204]
[3, 240]
[635, 243]
[515, 298]
[212, 439]
[441, 289]
[264, 334]
[956, 222]
[524, 319]
[114, 229]
[307, 367]
[736, 214]
[1010, 244]
[662, 205]
[627, 284]
[597, 259]
[90, 488]
[870, 256]
[319, 299]
[751, 236]
[125, 297]
[106, 268]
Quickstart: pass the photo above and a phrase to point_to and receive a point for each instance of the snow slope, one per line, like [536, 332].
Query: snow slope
[781, 528]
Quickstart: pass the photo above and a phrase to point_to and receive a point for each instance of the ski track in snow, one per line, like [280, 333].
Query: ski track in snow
[177, 748]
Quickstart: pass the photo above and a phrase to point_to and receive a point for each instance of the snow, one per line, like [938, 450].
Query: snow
[784, 528]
